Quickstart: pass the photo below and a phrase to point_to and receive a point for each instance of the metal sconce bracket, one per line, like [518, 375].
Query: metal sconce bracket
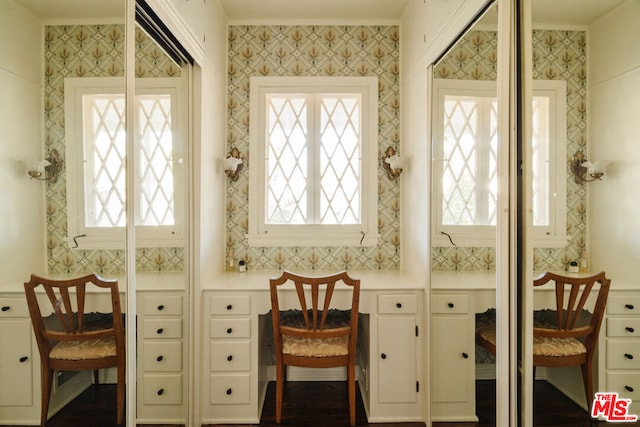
[233, 164]
[580, 171]
[391, 163]
[51, 170]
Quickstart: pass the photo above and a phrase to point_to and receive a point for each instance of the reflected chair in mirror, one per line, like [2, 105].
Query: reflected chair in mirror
[313, 333]
[566, 334]
[69, 338]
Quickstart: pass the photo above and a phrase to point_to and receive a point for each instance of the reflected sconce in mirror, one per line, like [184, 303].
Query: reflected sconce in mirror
[392, 163]
[584, 170]
[233, 164]
[47, 169]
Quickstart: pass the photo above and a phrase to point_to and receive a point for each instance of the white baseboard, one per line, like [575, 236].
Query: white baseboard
[486, 371]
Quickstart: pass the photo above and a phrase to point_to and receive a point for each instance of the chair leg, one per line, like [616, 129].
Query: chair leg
[351, 378]
[587, 379]
[96, 377]
[120, 392]
[47, 381]
[280, 375]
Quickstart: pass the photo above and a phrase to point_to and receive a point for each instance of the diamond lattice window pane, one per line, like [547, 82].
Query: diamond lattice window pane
[313, 181]
[156, 164]
[469, 174]
[105, 151]
[287, 161]
[339, 160]
[104, 146]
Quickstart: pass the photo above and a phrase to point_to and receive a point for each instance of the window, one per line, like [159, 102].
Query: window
[465, 163]
[96, 138]
[314, 177]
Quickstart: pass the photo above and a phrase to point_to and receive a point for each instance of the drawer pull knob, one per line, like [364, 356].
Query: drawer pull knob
[23, 359]
[450, 305]
[229, 307]
[160, 307]
[159, 358]
[229, 391]
[229, 358]
[629, 306]
[159, 331]
[628, 388]
[6, 308]
[628, 356]
[160, 392]
[630, 329]
[229, 330]
[399, 305]
[383, 355]
[465, 355]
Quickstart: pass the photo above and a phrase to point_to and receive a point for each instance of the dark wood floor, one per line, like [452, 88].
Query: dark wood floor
[324, 404]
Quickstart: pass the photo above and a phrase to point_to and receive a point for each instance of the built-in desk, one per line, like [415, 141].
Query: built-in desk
[455, 299]
[235, 365]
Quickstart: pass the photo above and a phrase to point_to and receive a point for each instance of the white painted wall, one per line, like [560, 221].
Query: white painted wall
[22, 223]
[614, 89]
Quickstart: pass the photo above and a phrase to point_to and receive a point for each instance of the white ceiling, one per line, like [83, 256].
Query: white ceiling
[547, 12]
[320, 10]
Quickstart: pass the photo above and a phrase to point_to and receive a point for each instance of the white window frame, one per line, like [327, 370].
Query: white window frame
[363, 234]
[114, 237]
[553, 235]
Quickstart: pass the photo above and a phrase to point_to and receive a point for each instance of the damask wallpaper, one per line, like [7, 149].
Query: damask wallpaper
[314, 51]
[92, 51]
[557, 55]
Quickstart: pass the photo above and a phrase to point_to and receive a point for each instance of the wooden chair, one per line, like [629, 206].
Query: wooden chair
[566, 335]
[315, 336]
[70, 339]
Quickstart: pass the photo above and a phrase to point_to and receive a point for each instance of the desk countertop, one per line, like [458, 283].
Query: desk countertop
[259, 280]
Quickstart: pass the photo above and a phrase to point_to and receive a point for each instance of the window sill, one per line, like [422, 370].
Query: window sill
[301, 239]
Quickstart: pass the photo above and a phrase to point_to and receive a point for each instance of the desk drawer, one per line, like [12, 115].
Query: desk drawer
[222, 327]
[230, 356]
[623, 327]
[228, 389]
[397, 304]
[162, 389]
[163, 356]
[13, 307]
[450, 304]
[626, 384]
[623, 354]
[231, 305]
[162, 305]
[623, 304]
[162, 328]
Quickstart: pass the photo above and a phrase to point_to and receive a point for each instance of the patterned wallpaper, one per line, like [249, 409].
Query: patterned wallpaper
[92, 51]
[557, 55]
[314, 51]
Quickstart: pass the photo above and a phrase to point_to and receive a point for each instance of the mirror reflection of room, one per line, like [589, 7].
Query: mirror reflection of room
[196, 276]
[568, 110]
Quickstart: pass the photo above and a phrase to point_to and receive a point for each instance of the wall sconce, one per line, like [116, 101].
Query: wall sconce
[50, 167]
[392, 163]
[581, 168]
[233, 164]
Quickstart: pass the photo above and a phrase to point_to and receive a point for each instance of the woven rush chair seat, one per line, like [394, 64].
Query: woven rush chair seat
[315, 334]
[315, 347]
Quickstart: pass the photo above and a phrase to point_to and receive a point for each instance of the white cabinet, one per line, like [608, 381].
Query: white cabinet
[237, 360]
[233, 379]
[452, 358]
[20, 381]
[619, 363]
[390, 340]
[162, 355]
